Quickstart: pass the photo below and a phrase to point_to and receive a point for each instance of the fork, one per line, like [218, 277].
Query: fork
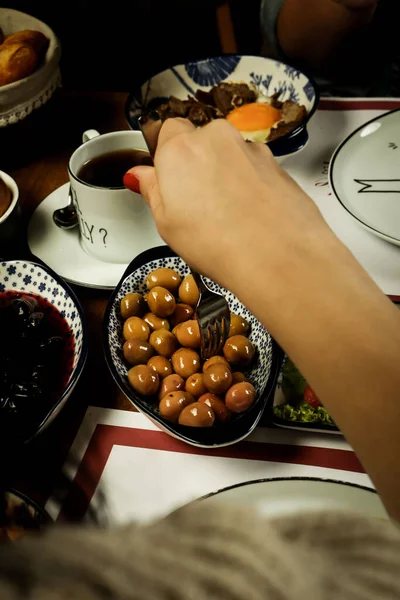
[213, 316]
[212, 309]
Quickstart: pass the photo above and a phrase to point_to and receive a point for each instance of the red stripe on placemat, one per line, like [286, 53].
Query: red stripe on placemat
[106, 436]
[381, 104]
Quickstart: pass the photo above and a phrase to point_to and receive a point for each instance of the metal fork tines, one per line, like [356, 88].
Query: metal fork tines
[213, 316]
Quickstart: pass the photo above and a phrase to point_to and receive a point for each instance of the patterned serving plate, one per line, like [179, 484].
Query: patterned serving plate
[269, 76]
[37, 279]
[263, 373]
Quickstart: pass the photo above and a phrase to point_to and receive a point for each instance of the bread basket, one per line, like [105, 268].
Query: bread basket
[19, 99]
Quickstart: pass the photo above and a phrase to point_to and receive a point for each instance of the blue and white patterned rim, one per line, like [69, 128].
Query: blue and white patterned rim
[262, 374]
[268, 75]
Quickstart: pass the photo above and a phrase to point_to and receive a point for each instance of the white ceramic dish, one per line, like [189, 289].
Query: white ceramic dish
[63, 252]
[19, 99]
[364, 176]
[10, 220]
[284, 496]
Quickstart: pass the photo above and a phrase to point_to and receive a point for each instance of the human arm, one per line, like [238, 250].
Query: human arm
[228, 209]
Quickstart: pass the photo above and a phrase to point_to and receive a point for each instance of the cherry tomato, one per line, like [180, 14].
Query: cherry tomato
[310, 397]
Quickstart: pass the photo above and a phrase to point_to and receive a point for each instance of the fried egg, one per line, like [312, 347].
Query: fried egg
[254, 121]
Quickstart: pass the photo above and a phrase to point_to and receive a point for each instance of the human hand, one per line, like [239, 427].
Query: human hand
[214, 197]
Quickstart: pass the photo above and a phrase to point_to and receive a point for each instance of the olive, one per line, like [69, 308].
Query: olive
[39, 374]
[24, 391]
[161, 302]
[24, 306]
[171, 383]
[238, 350]
[217, 378]
[238, 377]
[175, 329]
[134, 327]
[238, 326]
[222, 413]
[185, 362]
[197, 415]
[132, 305]
[188, 291]
[214, 360]
[165, 278]
[34, 320]
[155, 323]
[163, 342]
[195, 385]
[182, 312]
[160, 365]
[51, 348]
[143, 380]
[188, 334]
[172, 404]
[240, 397]
[137, 352]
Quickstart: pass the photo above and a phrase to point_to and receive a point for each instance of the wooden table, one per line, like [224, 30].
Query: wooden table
[38, 155]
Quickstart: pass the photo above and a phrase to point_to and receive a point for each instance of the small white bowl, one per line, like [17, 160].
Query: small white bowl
[10, 221]
[19, 99]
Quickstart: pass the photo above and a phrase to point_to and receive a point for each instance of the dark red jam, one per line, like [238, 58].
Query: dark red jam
[36, 359]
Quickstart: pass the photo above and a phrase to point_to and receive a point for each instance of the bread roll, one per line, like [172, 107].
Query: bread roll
[16, 62]
[36, 39]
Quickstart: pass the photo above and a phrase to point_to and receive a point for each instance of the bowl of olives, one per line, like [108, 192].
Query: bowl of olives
[152, 348]
[43, 347]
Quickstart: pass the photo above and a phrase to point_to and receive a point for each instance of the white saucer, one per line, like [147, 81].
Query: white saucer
[283, 496]
[364, 176]
[62, 251]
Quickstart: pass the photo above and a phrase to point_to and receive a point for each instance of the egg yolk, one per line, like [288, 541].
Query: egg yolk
[254, 116]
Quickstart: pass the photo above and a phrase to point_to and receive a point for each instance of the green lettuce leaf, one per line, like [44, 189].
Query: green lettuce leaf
[304, 413]
[293, 383]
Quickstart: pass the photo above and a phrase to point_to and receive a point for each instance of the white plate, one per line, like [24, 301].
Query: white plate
[62, 251]
[364, 175]
[283, 496]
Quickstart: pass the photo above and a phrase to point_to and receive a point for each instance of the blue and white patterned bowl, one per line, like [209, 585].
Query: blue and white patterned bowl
[270, 76]
[263, 374]
[37, 279]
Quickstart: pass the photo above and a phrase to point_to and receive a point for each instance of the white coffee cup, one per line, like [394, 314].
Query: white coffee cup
[115, 223]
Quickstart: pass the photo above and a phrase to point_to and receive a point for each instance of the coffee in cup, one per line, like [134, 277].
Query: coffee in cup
[107, 170]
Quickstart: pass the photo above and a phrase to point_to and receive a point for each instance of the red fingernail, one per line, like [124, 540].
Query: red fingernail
[131, 181]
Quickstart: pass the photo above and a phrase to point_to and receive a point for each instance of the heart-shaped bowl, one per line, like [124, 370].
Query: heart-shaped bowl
[267, 75]
[35, 278]
[263, 372]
